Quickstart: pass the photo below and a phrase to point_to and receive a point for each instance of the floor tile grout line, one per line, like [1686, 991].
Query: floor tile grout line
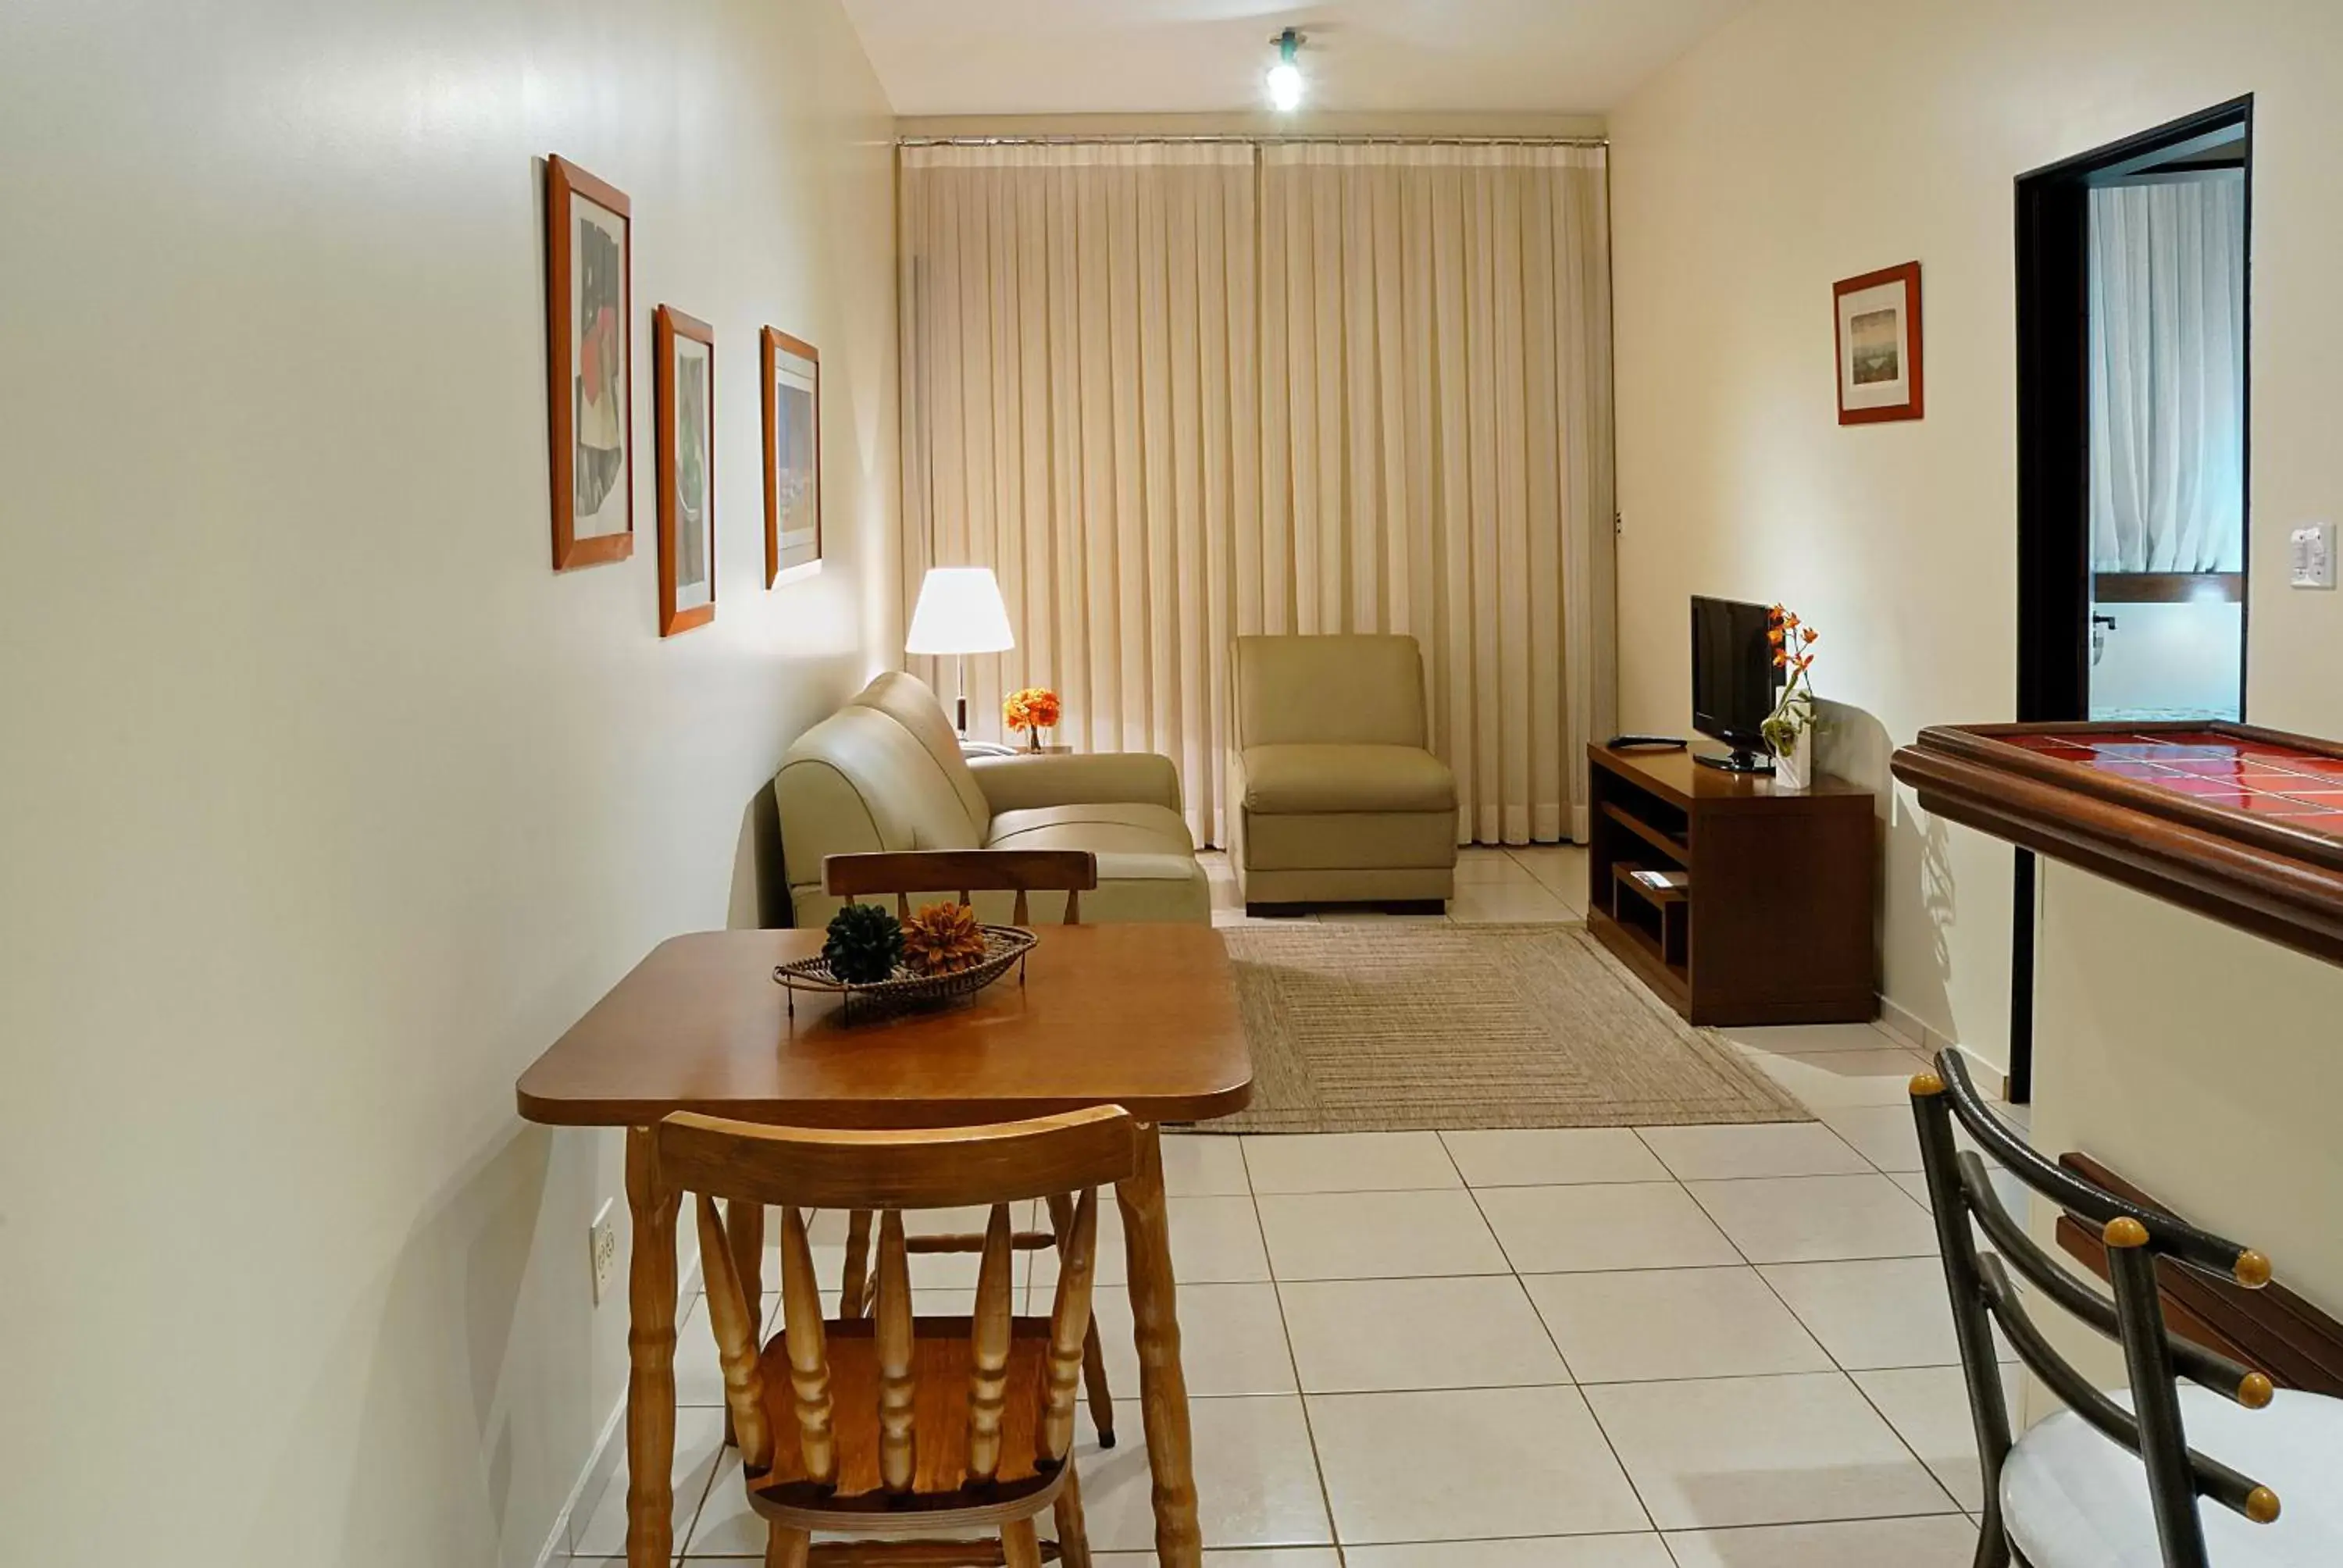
[1893, 1431]
[1294, 1361]
[1584, 1404]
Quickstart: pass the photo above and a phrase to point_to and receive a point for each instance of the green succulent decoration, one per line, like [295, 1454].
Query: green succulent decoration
[865, 944]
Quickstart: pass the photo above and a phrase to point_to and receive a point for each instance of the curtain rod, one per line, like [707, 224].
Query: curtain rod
[1240, 137]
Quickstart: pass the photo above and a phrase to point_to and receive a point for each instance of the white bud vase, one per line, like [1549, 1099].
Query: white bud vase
[1793, 771]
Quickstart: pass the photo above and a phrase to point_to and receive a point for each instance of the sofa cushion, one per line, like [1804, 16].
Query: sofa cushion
[906, 699]
[1285, 780]
[859, 782]
[1120, 829]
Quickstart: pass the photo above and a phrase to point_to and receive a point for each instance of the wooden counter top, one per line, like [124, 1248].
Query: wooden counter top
[2241, 824]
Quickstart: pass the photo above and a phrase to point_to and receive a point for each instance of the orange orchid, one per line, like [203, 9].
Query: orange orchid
[1794, 713]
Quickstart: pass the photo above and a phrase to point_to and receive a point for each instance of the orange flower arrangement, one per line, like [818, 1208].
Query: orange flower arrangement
[1033, 709]
[1792, 641]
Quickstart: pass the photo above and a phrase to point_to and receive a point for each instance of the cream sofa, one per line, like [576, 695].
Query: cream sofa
[885, 773]
[1334, 798]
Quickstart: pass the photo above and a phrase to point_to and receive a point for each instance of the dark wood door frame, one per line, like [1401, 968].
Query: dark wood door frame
[2054, 464]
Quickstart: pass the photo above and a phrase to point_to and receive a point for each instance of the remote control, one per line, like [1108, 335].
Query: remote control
[1646, 742]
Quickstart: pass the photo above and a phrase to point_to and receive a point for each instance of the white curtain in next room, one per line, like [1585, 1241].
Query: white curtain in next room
[1176, 392]
[2168, 374]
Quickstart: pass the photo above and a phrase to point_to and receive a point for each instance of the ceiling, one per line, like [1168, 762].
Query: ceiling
[1207, 56]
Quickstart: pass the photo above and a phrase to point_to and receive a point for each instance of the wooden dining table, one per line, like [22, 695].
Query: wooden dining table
[1141, 1016]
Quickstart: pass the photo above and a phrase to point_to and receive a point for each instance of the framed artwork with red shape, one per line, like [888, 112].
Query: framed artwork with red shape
[1880, 347]
[683, 351]
[590, 363]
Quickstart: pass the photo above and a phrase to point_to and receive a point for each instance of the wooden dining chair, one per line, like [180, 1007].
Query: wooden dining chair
[970, 871]
[1072, 872]
[2105, 1483]
[870, 1427]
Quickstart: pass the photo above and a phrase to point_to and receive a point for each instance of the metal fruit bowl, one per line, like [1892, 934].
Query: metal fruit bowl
[1005, 948]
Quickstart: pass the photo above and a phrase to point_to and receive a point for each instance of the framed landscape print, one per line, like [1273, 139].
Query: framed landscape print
[792, 454]
[684, 353]
[591, 384]
[1879, 345]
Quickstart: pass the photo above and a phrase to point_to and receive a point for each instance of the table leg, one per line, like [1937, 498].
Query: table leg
[1162, 1386]
[744, 1229]
[650, 1352]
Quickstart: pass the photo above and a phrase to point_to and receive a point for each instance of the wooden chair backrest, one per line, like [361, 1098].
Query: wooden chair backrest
[1071, 871]
[797, 1169]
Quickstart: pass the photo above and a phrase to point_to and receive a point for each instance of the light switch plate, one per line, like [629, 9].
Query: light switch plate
[2312, 556]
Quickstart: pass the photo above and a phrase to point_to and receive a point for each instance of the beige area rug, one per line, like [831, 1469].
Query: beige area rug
[1374, 1026]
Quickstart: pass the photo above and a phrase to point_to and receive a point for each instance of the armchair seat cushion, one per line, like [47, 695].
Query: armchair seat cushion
[1294, 779]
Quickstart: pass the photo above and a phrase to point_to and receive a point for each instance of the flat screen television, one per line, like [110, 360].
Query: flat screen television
[1733, 681]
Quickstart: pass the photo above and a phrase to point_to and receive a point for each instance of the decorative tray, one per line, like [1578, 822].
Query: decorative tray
[1005, 948]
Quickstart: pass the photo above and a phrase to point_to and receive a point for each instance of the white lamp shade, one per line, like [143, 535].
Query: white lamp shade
[960, 611]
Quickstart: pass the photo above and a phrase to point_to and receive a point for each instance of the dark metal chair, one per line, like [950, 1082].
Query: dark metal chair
[2070, 1493]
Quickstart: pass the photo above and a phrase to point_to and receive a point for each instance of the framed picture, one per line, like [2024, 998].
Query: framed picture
[589, 307]
[1879, 345]
[684, 352]
[792, 454]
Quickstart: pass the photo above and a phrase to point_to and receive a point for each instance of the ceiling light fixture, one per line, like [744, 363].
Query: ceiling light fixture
[1285, 83]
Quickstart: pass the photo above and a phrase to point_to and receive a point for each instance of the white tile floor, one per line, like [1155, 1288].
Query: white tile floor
[1679, 1348]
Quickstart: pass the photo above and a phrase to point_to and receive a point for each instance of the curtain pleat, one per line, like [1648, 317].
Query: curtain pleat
[1176, 393]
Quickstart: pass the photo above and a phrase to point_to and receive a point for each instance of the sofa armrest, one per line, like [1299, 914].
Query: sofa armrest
[1025, 783]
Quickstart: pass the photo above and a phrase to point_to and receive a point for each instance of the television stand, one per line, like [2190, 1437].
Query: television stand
[1762, 906]
[1738, 761]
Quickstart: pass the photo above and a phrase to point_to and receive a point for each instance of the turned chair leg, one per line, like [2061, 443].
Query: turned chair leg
[1019, 1546]
[1074, 1530]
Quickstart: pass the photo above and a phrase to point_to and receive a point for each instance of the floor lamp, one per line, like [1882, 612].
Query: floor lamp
[960, 612]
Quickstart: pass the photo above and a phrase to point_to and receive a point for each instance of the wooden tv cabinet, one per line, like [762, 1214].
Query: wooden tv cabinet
[1777, 922]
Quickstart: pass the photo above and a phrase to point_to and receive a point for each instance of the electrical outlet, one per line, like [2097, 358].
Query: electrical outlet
[604, 1240]
[2313, 556]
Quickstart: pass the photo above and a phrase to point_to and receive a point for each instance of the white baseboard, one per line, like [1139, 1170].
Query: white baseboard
[593, 1480]
[1906, 1027]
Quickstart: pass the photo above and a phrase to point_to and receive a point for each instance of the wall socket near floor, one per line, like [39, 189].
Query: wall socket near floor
[2311, 556]
[604, 1240]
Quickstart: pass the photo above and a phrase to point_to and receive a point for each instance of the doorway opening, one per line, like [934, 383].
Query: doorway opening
[2133, 437]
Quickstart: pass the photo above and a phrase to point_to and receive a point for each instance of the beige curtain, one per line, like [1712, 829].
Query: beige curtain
[1172, 393]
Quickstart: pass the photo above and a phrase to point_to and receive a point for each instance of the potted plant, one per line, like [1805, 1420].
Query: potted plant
[1790, 730]
[1032, 710]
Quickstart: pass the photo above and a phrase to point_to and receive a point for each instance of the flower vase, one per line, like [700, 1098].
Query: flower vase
[1032, 737]
[1793, 771]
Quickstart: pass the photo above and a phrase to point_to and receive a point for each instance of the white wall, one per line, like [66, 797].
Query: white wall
[1812, 140]
[326, 805]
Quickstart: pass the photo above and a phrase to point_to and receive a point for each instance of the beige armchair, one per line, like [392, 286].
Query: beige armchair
[885, 774]
[1334, 796]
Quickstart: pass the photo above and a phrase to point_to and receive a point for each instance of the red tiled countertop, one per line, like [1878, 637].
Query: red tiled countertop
[2241, 824]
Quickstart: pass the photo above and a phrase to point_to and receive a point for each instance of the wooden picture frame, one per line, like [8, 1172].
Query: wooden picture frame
[590, 366]
[1877, 326]
[683, 352]
[792, 407]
